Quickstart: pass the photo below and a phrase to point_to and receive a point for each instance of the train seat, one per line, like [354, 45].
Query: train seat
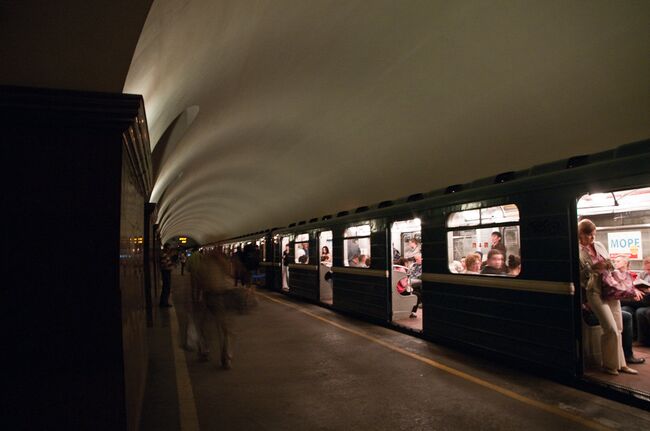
[402, 304]
[591, 345]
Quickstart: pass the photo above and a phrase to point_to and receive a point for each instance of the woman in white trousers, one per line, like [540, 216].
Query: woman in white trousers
[594, 259]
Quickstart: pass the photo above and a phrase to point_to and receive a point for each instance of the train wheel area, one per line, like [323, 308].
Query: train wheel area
[302, 366]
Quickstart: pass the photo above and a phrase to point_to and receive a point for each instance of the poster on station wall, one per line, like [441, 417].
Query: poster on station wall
[627, 244]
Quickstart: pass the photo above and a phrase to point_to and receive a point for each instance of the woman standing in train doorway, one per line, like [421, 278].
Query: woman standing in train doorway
[594, 259]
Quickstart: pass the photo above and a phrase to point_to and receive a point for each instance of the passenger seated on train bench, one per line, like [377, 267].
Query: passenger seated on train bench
[354, 261]
[495, 264]
[514, 265]
[642, 313]
[626, 337]
[405, 288]
[363, 261]
[472, 264]
[639, 310]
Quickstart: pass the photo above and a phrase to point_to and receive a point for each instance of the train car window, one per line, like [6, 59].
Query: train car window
[485, 241]
[301, 248]
[356, 246]
[622, 220]
[261, 246]
[325, 243]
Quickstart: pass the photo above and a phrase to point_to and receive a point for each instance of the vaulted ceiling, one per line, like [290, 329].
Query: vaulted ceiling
[263, 113]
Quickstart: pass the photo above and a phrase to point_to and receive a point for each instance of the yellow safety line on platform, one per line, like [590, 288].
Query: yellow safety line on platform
[186, 405]
[503, 391]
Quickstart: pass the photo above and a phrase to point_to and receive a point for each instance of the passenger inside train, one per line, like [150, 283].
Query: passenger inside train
[614, 228]
[356, 243]
[302, 249]
[286, 260]
[326, 294]
[495, 264]
[472, 264]
[496, 246]
[406, 275]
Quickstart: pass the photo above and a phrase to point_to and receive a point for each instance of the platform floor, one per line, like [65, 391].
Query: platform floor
[302, 367]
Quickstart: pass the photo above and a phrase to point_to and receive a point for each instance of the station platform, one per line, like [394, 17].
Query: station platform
[298, 366]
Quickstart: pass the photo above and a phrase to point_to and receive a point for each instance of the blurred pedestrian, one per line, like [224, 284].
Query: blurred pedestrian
[182, 259]
[166, 266]
[210, 309]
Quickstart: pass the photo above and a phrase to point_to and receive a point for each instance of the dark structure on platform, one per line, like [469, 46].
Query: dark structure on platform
[79, 253]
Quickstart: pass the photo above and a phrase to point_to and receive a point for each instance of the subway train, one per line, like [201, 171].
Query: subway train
[422, 263]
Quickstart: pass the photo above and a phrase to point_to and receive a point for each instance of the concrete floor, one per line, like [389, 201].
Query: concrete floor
[304, 367]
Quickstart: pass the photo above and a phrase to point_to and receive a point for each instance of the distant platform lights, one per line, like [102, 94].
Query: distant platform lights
[182, 240]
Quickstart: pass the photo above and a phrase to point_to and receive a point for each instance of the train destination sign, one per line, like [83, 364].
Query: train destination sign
[627, 244]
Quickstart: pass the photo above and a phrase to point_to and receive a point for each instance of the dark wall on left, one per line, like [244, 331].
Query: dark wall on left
[76, 183]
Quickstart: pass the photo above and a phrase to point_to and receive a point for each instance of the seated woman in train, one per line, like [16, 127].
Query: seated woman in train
[405, 288]
[472, 264]
[495, 263]
[514, 265]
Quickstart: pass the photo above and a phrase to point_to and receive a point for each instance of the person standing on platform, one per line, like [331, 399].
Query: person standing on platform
[166, 265]
[238, 266]
[182, 259]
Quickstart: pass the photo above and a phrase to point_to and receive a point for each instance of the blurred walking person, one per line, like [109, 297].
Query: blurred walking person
[210, 310]
[191, 338]
[166, 265]
[182, 259]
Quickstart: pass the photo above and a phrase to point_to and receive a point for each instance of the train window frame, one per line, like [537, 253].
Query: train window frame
[301, 239]
[495, 218]
[621, 205]
[357, 232]
[261, 244]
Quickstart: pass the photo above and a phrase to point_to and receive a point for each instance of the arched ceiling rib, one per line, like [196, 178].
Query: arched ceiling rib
[309, 108]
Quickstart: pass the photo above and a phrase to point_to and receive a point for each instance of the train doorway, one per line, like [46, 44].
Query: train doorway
[406, 273]
[614, 250]
[285, 261]
[325, 267]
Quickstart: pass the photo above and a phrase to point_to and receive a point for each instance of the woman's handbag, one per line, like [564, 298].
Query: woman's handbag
[616, 285]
